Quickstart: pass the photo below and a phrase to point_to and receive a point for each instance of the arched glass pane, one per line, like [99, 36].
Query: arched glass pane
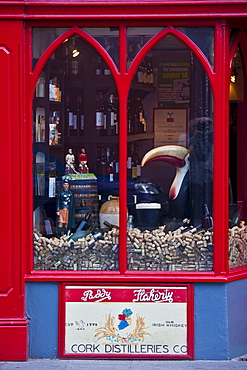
[108, 37]
[75, 125]
[237, 164]
[203, 37]
[170, 164]
[42, 38]
[136, 38]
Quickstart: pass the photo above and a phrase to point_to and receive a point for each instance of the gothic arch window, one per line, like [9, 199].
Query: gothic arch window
[107, 96]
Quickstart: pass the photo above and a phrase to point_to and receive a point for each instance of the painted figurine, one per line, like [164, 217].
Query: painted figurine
[65, 210]
[70, 160]
[83, 161]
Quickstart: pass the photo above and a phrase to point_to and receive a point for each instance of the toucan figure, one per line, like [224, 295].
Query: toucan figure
[179, 190]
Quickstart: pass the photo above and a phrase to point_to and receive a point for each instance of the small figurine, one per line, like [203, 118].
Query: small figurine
[65, 209]
[70, 160]
[83, 161]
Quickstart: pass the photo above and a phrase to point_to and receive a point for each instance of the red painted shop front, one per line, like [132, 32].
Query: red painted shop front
[86, 89]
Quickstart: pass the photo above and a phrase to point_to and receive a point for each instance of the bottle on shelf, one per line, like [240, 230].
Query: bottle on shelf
[129, 162]
[135, 164]
[109, 168]
[40, 128]
[136, 118]
[40, 88]
[139, 117]
[69, 114]
[140, 77]
[115, 163]
[55, 93]
[98, 162]
[99, 118]
[115, 108]
[110, 117]
[54, 134]
[99, 68]
[207, 219]
[144, 71]
[130, 115]
[150, 71]
[130, 55]
[106, 68]
[103, 164]
[80, 113]
[52, 180]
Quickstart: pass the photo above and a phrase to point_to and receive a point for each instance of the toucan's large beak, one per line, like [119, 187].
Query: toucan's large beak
[175, 155]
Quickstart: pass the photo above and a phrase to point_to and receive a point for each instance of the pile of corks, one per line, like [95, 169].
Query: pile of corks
[238, 245]
[185, 249]
[88, 253]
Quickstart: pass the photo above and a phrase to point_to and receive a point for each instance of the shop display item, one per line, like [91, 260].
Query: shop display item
[147, 215]
[65, 210]
[83, 167]
[70, 160]
[179, 190]
[109, 211]
[85, 189]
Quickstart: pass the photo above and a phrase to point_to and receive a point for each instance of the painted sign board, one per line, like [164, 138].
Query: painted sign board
[170, 126]
[125, 321]
[173, 83]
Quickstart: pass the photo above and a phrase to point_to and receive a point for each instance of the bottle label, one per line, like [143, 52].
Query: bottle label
[52, 92]
[140, 77]
[82, 122]
[52, 187]
[112, 115]
[129, 163]
[71, 120]
[99, 120]
[134, 172]
[75, 121]
[138, 170]
[107, 72]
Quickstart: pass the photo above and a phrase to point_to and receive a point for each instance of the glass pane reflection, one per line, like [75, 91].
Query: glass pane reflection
[108, 37]
[203, 37]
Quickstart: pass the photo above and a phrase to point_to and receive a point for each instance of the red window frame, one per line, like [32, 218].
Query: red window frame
[219, 79]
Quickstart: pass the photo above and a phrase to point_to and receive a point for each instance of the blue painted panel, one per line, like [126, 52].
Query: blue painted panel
[211, 324]
[42, 311]
[220, 319]
[237, 317]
